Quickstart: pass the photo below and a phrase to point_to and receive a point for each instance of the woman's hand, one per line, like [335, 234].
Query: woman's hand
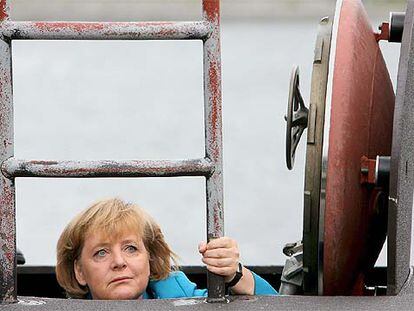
[221, 257]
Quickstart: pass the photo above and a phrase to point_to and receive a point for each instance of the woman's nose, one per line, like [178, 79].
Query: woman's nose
[118, 260]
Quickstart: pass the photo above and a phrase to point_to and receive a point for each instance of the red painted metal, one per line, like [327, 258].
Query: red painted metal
[367, 170]
[384, 33]
[361, 124]
[4, 10]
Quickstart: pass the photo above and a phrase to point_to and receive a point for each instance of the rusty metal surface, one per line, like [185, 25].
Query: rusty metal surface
[361, 117]
[8, 291]
[4, 10]
[106, 168]
[213, 137]
[402, 164]
[105, 30]
[368, 171]
[8, 275]
[384, 32]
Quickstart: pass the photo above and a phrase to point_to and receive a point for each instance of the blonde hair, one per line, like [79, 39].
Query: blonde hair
[111, 217]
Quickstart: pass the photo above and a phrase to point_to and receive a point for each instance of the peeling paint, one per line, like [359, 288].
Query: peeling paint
[106, 168]
[8, 291]
[4, 9]
[106, 30]
[211, 10]
[213, 138]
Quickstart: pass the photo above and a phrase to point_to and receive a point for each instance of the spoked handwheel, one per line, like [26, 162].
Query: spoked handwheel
[296, 118]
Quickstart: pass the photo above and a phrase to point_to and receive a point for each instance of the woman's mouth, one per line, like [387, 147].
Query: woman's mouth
[120, 279]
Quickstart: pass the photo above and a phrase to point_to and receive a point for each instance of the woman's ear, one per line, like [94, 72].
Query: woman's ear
[78, 273]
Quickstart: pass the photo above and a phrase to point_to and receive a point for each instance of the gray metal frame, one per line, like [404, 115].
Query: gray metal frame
[402, 165]
[207, 30]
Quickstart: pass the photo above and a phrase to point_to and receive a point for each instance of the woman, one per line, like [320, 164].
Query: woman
[115, 250]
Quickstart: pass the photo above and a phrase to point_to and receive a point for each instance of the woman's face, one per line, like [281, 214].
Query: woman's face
[113, 268]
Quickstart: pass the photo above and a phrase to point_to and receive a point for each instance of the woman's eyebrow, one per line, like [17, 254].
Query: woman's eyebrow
[130, 241]
[101, 244]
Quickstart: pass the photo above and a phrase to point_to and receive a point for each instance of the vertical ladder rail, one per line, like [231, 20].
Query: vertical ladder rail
[213, 138]
[210, 166]
[8, 290]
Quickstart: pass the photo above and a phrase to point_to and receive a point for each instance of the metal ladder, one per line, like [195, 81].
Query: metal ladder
[207, 30]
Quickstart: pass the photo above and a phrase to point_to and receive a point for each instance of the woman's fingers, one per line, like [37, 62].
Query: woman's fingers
[220, 248]
[223, 242]
[221, 262]
[202, 247]
[221, 256]
[222, 253]
[223, 271]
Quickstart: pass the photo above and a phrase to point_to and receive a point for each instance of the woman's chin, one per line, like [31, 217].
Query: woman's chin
[124, 294]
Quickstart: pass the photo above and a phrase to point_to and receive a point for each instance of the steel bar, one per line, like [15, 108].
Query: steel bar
[105, 30]
[8, 290]
[213, 136]
[89, 169]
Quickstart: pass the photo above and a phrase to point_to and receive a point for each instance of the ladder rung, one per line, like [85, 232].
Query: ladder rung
[105, 30]
[107, 168]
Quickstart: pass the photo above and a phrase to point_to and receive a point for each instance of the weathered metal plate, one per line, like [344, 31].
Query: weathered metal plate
[402, 164]
[312, 214]
[360, 124]
[403, 301]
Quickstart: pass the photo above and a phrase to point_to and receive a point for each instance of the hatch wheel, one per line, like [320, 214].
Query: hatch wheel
[296, 118]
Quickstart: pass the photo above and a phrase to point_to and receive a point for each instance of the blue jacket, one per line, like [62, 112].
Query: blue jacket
[177, 285]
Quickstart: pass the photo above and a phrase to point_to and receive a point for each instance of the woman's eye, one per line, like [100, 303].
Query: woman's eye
[100, 253]
[131, 249]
